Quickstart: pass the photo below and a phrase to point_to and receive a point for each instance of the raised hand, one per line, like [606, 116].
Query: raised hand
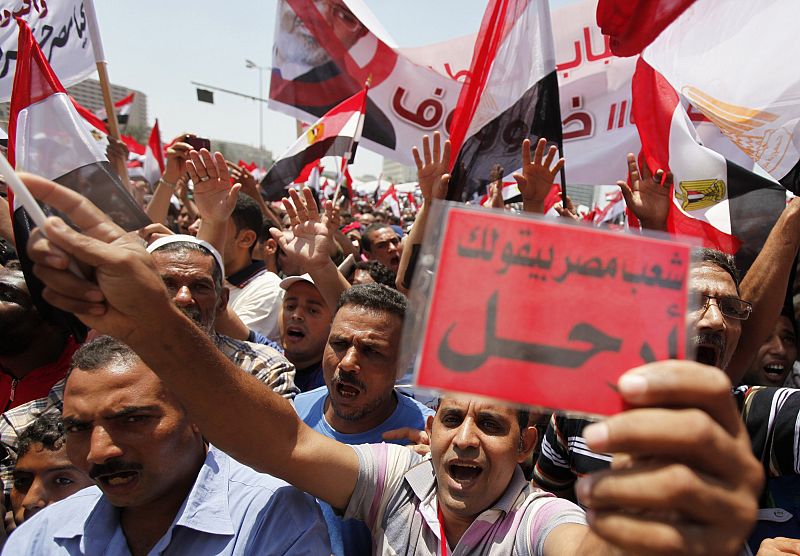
[214, 195]
[242, 175]
[646, 196]
[567, 211]
[432, 167]
[537, 175]
[496, 187]
[176, 157]
[310, 235]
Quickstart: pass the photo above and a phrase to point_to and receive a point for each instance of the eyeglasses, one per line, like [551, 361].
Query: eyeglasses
[732, 307]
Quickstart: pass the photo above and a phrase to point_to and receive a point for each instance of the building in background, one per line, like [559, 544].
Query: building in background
[89, 95]
[397, 172]
[239, 151]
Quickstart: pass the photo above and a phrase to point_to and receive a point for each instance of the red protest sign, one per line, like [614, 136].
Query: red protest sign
[547, 314]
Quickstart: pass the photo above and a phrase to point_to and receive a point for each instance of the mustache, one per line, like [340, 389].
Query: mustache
[113, 466]
[709, 338]
[349, 379]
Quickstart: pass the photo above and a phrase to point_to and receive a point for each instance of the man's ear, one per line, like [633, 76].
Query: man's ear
[222, 305]
[246, 238]
[270, 247]
[429, 424]
[527, 442]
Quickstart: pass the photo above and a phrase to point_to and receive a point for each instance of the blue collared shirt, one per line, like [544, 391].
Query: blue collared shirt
[230, 510]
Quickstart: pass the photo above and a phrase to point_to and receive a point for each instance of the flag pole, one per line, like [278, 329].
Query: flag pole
[347, 155]
[105, 87]
[563, 180]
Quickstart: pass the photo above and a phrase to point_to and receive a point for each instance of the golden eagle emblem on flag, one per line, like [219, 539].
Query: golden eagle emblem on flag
[742, 126]
[700, 194]
[315, 132]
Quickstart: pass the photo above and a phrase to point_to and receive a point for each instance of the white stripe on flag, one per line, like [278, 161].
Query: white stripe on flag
[47, 143]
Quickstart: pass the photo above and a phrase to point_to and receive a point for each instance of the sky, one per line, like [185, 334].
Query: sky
[159, 47]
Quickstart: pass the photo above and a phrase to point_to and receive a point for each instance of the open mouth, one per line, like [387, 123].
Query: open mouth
[295, 333]
[118, 479]
[462, 472]
[708, 355]
[347, 391]
[775, 371]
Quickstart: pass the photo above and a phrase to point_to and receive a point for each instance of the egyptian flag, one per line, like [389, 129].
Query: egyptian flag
[728, 207]
[512, 94]
[335, 134]
[511, 194]
[613, 208]
[346, 179]
[99, 131]
[154, 157]
[745, 83]
[391, 200]
[631, 25]
[47, 137]
[122, 108]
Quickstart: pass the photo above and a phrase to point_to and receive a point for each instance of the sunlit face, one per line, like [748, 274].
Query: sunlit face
[475, 448]
[130, 435]
[42, 477]
[188, 276]
[714, 335]
[775, 357]
[360, 367]
[305, 324]
[385, 248]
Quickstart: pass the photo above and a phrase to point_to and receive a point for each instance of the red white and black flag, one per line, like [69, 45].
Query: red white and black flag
[48, 137]
[512, 94]
[154, 164]
[730, 208]
[122, 108]
[335, 134]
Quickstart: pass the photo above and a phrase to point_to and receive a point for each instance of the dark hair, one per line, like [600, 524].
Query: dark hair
[247, 216]
[379, 273]
[376, 297]
[183, 246]
[47, 430]
[366, 240]
[101, 352]
[723, 260]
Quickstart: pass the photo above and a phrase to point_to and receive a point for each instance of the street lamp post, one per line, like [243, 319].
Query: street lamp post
[251, 64]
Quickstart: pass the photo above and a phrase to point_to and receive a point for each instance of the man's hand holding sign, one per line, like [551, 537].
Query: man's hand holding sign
[690, 485]
[479, 330]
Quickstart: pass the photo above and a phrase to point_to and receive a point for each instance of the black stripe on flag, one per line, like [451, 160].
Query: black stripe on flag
[101, 185]
[536, 114]
[286, 170]
[754, 203]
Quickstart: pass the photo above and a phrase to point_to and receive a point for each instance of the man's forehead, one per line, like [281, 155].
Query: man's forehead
[709, 278]
[117, 385]
[302, 290]
[360, 318]
[471, 404]
[185, 259]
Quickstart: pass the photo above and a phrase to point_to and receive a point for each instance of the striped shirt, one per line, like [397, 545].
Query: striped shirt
[395, 495]
[771, 416]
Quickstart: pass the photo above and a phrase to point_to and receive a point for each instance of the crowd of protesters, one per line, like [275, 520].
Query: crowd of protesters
[238, 390]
